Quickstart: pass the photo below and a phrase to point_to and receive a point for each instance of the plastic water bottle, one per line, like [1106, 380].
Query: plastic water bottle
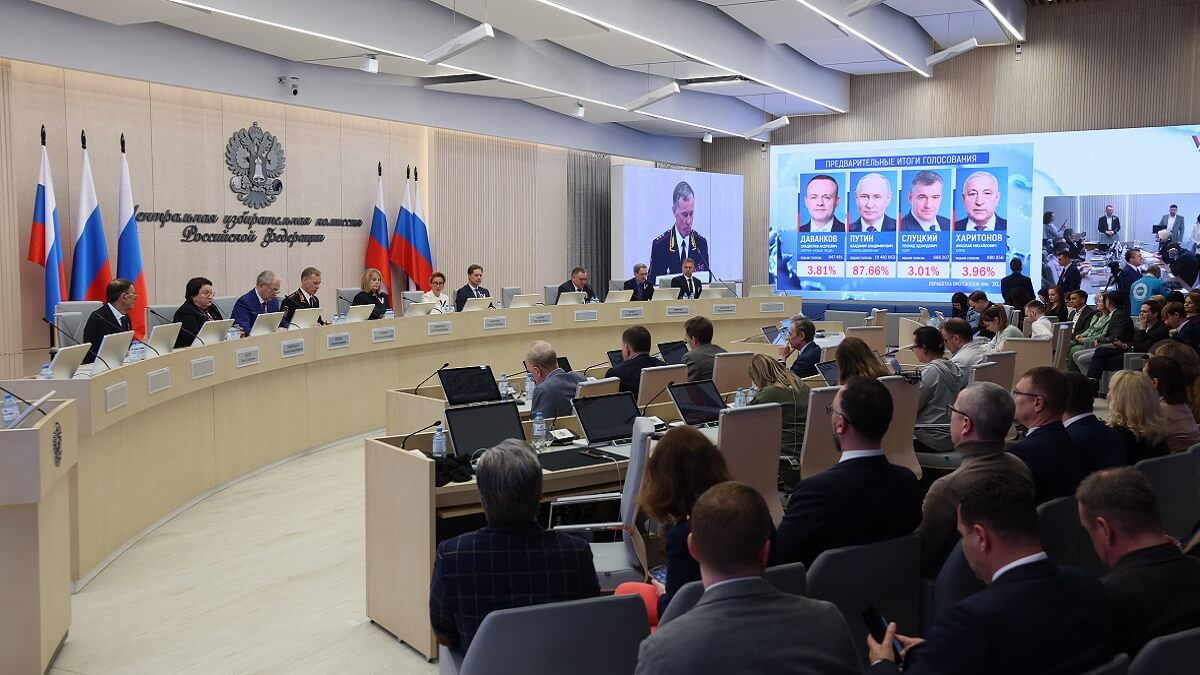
[11, 411]
[439, 441]
[504, 385]
[739, 401]
[751, 393]
[530, 385]
[46, 373]
[539, 431]
[388, 313]
[137, 351]
[233, 333]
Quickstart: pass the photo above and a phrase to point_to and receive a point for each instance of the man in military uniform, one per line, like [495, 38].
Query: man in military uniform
[305, 297]
[670, 248]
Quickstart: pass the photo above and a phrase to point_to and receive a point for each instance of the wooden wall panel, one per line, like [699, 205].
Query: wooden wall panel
[11, 248]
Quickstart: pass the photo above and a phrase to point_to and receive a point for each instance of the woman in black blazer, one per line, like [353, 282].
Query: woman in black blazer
[197, 308]
[372, 293]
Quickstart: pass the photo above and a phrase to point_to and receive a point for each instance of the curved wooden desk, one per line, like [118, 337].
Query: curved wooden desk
[157, 435]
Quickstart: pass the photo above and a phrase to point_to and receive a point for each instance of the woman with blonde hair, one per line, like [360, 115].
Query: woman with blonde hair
[777, 384]
[854, 357]
[1189, 362]
[373, 293]
[1133, 414]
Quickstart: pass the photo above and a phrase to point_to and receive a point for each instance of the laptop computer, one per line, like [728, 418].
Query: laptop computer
[619, 296]
[672, 352]
[698, 402]
[570, 298]
[419, 308]
[162, 338]
[615, 357]
[774, 335]
[829, 371]
[359, 313]
[305, 317]
[212, 332]
[608, 418]
[113, 349]
[526, 300]
[477, 304]
[266, 324]
[562, 363]
[717, 293]
[66, 361]
[762, 290]
[472, 384]
[476, 427]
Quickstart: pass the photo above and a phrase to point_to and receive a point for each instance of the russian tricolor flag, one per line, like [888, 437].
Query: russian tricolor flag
[377, 243]
[129, 250]
[90, 272]
[45, 248]
[410, 242]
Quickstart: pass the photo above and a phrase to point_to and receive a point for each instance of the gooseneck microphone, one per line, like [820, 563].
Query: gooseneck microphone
[147, 346]
[63, 333]
[427, 426]
[444, 365]
[584, 371]
[188, 332]
[660, 391]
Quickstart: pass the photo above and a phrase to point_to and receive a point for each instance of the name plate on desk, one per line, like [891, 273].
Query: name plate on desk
[203, 367]
[494, 322]
[586, 315]
[632, 312]
[724, 308]
[116, 396]
[245, 357]
[158, 380]
[678, 310]
[541, 319]
[770, 307]
[383, 334]
[337, 341]
[437, 328]
[292, 348]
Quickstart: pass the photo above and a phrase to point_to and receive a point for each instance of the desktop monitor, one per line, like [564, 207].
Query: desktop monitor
[419, 308]
[698, 402]
[570, 298]
[112, 351]
[305, 317]
[212, 332]
[672, 352]
[477, 304]
[527, 300]
[472, 384]
[66, 361]
[619, 296]
[265, 324]
[606, 418]
[483, 426]
[162, 338]
[359, 313]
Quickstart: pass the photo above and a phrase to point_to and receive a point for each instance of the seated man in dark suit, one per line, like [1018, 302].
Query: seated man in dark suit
[635, 352]
[641, 286]
[735, 626]
[1034, 618]
[111, 317]
[578, 283]
[1153, 587]
[473, 289]
[1014, 281]
[262, 299]
[688, 285]
[702, 353]
[1079, 312]
[512, 562]
[555, 386]
[1057, 465]
[304, 298]
[1099, 444]
[1153, 331]
[862, 499]
[801, 332]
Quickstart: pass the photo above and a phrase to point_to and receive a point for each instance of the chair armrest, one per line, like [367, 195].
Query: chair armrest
[587, 499]
[614, 526]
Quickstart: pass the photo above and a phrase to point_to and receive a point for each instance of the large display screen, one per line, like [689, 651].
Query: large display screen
[920, 219]
[662, 216]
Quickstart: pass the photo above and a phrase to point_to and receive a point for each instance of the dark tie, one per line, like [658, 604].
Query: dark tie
[870, 228]
[125, 323]
[264, 308]
[980, 228]
[477, 293]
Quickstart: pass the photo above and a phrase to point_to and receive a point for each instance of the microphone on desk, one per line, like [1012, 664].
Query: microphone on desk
[27, 403]
[660, 391]
[584, 371]
[899, 349]
[147, 346]
[444, 365]
[427, 426]
[188, 332]
[63, 333]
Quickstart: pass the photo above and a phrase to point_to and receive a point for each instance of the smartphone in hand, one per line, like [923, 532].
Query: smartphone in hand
[877, 626]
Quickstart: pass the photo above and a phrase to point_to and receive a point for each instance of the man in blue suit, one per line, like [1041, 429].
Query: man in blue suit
[1034, 618]
[981, 196]
[262, 299]
[800, 342]
[1130, 272]
[1099, 444]
[555, 386]
[1056, 463]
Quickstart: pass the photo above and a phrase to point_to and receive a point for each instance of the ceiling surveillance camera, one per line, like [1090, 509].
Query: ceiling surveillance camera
[295, 90]
[762, 147]
[292, 83]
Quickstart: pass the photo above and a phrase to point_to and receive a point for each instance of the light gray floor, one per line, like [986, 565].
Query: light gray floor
[267, 576]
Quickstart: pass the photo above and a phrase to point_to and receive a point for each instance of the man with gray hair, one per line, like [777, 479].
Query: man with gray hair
[513, 561]
[801, 333]
[979, 420]
[680, 241]
[555, 386]
[262, 299]
[980, 198]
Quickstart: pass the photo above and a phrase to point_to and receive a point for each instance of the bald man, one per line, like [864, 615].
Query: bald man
[981, 196]
[873, 195]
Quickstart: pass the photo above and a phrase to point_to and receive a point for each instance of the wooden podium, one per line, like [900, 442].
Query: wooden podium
[37, 462]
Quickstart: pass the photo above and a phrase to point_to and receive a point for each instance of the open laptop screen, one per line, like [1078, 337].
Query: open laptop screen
[606, 418]
[698, 402]
[672, 352]
[474, 427]
[614, 357]
[829, 371]
[472, 384]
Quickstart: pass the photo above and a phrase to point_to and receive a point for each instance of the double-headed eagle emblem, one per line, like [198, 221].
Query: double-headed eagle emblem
[256, 159]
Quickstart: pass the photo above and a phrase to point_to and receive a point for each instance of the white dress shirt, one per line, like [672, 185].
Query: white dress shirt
[878, 225]
[1075, 419]
[859, 454]
[827, 226]
[1036, 557]
[117, 313]
[989, 226]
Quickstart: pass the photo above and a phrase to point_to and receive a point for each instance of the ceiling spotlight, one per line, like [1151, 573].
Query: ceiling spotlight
[459, 44]
[951, 52]
[707, 137]
[666, 91]
[861, 6]
[579, 109]
[777, 123]
[370, 64]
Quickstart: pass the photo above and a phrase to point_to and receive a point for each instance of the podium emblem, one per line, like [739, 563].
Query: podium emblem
[256, 159]
[56, 442]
